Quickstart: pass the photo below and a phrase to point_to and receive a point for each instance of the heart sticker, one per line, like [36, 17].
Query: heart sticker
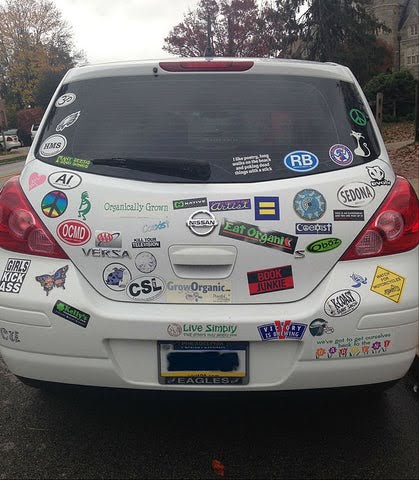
[35, 180]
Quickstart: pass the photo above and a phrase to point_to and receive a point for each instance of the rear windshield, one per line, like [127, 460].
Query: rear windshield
[215, 128]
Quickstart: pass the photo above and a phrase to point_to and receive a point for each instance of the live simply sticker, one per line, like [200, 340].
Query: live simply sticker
[388, 284]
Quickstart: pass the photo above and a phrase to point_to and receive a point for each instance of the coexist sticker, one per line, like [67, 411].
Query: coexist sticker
[68, 121]
[324, 245]
[66, 99]
[309, 204]
[73, 232]
[313, 228]
[301, 161]
[270, 280]
[202, 223]
[54, 204]
[356, 194]
[116, 276]
[282, 330]
[341, 155]
[52, 146]
[64, 180]
[342, 303]
[145, 289]
[388, 284]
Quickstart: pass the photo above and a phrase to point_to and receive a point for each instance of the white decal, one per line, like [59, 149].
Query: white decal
[65, 100]
[363, 151]
[356, 194]
[64, 180]
[53, 145]
[68, 121]
[252, 164]
[146, 288]
[342, 303]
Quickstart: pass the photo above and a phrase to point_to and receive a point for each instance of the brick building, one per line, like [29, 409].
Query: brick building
[402, 17]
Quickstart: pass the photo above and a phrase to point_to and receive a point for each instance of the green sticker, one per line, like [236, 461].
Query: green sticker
[73, 162]
[358, 117]
[324, 245]
[85, 205]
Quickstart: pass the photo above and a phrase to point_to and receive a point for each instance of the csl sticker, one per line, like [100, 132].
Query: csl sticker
[57, 279]
[73, 232]
[66, 99]
[309, 204]
[72, 314]
[13, 275]
[54, 204]
[282, 330]
[301, 161]
[356, 194]
[64, 180]
[270, 280]
[145, 288]
[252, 234]
[68, 121]
[52, 146]
[341, 155]
[324, 245]
[35, 180]
[342, 303]
[116, 276]
[348, 215]
[388, 284]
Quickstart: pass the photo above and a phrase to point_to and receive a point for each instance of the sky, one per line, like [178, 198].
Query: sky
[117, 30]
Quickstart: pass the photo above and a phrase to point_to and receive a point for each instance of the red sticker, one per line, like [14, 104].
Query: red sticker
[270, 280]
[73, 232]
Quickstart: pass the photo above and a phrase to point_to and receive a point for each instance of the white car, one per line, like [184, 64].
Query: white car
[12, 141]
[209, 224]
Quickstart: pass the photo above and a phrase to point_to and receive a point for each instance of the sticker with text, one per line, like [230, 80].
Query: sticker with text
[208, 291]
[252, 164]
[189, 203]
[341, 303]
[282, 330]
[72, 314]
[270, 280]
[378, 176]
[388, 284]
[14, 275]
[202, 330]
[73, 162]
[348, 215]
[227, 205]
[348, 347]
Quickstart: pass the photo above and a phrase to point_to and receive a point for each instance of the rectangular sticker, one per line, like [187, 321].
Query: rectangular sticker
[270, 280]
[189, 203]
[228, 205]
[252, 234]
[13, 275]
[282, 330]
[388, 284]
[132, 209]
[145, 242]
[348, 215]
[72, 314]
[266, 208]
[108, 239]
[313, 228]
[202, 291]
[348, 347]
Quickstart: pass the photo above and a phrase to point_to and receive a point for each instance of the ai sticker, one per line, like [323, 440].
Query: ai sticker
[52, 146]
[64, 180]
[388, 284]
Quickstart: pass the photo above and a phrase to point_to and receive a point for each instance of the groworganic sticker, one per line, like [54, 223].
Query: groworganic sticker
[252, 234]
[270, 280]
[13, 275]
[388, 284]
[347, 347]
[72, 314]
[205, 291]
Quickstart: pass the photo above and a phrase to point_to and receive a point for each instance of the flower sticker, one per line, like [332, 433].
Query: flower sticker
[354, 351]
[387, 343]
[376, 345]
[332, 351]
[320, 352]
[365, 349]
[343, 352]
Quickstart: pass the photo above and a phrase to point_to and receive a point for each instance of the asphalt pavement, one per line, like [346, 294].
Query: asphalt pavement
[101, 433]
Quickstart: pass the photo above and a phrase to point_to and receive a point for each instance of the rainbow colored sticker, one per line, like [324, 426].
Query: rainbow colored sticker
[54, 204]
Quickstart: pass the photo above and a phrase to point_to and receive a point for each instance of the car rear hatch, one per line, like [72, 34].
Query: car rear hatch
[206, 187]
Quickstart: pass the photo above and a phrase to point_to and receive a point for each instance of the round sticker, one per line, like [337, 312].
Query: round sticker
[145, 262]
[146, 288]
[309, 204]
[54, 204]
[116, 276]
[74, 232]
[53, 145]
[66, 99]
[174, 329]
[341, 155]
[64, 180]
[202, 222]
[358, 117]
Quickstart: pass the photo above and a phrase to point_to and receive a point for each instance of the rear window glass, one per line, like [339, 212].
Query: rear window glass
[211, 128]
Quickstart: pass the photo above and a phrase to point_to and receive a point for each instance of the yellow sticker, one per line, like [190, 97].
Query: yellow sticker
[388, 284]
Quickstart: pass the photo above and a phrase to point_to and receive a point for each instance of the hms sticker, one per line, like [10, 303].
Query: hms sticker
[14, 274]
[270, 280]
[388, 284]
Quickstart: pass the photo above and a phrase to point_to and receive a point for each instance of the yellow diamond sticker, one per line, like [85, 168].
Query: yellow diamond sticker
[388, 284]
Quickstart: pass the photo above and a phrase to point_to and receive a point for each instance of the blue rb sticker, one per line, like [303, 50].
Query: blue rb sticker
[301, 161]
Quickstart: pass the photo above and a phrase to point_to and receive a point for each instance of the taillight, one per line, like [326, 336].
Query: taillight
[21, 230]
[207, 66]
[393, 229]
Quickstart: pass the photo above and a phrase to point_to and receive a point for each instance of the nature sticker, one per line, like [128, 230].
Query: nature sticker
[388, 284]
[358, 117]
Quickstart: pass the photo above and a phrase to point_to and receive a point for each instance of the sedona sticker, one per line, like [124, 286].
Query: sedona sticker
[270, 280]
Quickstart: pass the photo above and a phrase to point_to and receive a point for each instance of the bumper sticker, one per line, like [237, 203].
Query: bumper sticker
[14, 275]
[348, 347]
[204, 291]
[72, 314]
[388, 284]
[282, 330]
[270, 280]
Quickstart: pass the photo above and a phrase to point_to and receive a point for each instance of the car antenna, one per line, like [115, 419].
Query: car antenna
[209, 49]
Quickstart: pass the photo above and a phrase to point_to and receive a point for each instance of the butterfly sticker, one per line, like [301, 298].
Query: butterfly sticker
[48, 282]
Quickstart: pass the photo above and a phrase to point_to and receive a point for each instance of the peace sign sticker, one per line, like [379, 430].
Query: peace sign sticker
[54, 204]
[358, 117]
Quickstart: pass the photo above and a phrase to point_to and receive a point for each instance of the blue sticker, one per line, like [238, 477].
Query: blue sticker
[359, 280]
[301, 161]
[313, 228]
[268, 332]
[285, 330]
[266, 208]
[309, 204]
[341, 155]
[296, 331]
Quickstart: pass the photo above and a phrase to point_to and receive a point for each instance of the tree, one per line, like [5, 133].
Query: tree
[339, 31]
[239, 28]
[34, 39]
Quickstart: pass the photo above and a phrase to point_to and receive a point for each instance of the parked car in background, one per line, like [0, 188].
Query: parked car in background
[12, 140]
[34, 129]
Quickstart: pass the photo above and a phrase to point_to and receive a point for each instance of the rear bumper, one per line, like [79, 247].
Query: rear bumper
[118, 348]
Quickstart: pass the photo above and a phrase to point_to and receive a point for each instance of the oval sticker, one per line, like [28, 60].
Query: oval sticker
[324, 245]
[301, 161]
[53, 145]
[341, 303]
[64, 180]
[74, 232]
[144, 289]
[66, 99]
[356, 194]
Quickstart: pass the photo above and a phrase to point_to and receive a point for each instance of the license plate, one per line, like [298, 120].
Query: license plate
[203, 363]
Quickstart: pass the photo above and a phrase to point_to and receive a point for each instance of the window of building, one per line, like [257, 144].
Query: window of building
[409, 60]
[413, 29]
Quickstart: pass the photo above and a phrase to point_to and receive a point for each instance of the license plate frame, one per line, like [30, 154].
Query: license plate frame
[195, 354]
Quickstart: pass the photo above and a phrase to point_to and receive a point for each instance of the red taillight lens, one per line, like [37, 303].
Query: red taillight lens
[21, 230]
[393, 229]
[207, 66]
